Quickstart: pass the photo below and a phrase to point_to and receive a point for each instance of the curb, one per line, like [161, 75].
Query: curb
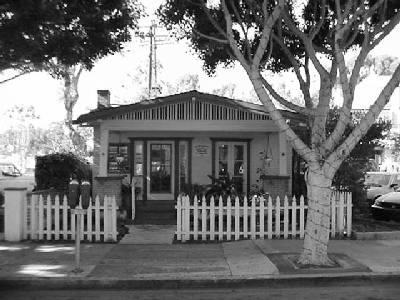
[347, 279]
[379, 235]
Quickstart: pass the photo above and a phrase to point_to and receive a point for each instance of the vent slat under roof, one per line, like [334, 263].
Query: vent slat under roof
[191, 110]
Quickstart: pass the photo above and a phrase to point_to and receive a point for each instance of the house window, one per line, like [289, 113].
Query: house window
[183, 163]
[138, 159]
[118, 159]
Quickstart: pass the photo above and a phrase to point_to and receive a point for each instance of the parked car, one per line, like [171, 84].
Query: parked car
[387, 207]
[10, 176]
[380, 183]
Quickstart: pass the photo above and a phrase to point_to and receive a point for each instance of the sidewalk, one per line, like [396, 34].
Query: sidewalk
[248, 262]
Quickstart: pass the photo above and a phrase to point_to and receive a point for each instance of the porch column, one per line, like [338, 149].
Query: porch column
[282, 155]
[104, 137]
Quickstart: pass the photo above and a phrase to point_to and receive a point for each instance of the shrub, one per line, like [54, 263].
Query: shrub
[56, 170]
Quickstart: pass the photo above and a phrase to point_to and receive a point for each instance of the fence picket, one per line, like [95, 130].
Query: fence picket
[196, 218]
[41, 218]
[270, 217]
[253, 218]
[220, 218]
[89, 221]
[212, 220]
[262, 217]
[187, 218]
[179, 218]
[285, 218]
[294, 215]
[341, 214]
[73, 225]
[302, 207]
[97, 218]
[278, 217]
[113, 219]
[228, 219]
[48, 218]
[57, 218]
[333, 215]
[203, 220]
[237, 218]
[65, 217]
[349, 213]
[245, 219]
[105, 220]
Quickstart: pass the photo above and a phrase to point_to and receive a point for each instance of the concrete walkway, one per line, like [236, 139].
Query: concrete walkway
[26, 263]
[149, 234]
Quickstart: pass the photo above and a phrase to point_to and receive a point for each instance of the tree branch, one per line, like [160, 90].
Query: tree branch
[307, 44]
[304, 85]
[211, 38]
[266, 32]
[283, 101]
[16, 76]
[317, 28]
[361, 129]
[231, 38]
[245, 32]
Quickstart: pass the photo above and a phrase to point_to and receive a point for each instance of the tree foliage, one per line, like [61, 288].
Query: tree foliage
[35, 32]
[294, 35]
[350, 175]
[384, 65]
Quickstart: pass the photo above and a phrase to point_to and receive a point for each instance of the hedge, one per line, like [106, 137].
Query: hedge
[56, 170]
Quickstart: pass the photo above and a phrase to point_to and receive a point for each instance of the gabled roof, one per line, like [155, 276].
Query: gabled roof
[184, 106]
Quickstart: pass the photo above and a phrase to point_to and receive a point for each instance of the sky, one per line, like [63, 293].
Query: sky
[112, 73]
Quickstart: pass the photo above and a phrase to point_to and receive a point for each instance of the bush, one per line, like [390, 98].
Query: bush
[56, 170]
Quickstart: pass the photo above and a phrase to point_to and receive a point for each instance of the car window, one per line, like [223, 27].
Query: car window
[377, 179]
[396, 179]
[9, 169]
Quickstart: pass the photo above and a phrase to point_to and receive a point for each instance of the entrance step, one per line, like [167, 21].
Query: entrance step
[154, 212]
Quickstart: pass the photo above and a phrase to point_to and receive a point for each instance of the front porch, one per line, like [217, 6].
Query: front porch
[167, 143]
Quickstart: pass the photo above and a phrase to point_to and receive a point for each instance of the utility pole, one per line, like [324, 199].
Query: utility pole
[153, 39]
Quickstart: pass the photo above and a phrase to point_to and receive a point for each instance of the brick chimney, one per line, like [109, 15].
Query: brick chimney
[103, 98]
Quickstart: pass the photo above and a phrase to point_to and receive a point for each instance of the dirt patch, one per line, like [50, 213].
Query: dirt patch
[368, 224]
[287, 264]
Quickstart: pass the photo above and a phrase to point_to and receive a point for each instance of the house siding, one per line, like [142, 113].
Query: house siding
[202, 165]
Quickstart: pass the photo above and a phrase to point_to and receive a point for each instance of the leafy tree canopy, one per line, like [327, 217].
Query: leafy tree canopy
[34, 32]
[206, 28]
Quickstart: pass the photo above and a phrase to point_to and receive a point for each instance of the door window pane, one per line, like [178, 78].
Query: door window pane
[160, 168]
[239, 152]
[138, 158]
[223, 152]
[183, 163]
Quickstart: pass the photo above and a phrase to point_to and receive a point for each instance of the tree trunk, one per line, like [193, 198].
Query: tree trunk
[315, 246]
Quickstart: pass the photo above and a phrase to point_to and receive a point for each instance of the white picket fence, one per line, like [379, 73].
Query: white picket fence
[47, 219]
[261, 219]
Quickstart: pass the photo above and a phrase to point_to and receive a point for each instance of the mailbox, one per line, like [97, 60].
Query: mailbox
[73, 194]
[85, 194]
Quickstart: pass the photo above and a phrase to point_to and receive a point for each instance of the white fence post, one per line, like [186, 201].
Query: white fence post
[14, 218]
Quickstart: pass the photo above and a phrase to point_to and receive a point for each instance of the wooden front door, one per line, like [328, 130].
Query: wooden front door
[160, 170]
[231, 160]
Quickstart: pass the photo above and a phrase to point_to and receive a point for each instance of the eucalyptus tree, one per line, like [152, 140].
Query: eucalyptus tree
[281, 35]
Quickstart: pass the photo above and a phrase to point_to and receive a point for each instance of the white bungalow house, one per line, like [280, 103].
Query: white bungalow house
[170, 141]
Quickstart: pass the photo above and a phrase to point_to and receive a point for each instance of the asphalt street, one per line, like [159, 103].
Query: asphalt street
[360, 292]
